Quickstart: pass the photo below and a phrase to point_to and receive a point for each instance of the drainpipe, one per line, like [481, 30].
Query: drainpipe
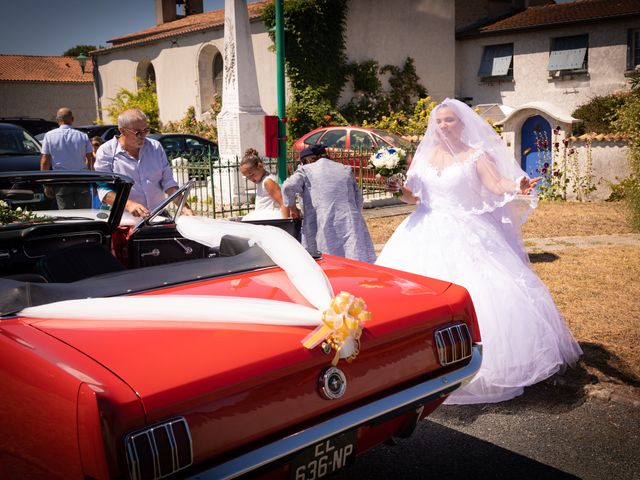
[282, 129]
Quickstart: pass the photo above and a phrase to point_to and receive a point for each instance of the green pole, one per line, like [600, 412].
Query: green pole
[282, 129]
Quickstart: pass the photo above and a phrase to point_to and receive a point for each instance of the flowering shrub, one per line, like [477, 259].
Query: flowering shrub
[402, 124]
[553, 185]
[191, 125]
[560, 168]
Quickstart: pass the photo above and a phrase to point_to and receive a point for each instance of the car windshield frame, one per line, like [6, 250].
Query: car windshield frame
[20, 190]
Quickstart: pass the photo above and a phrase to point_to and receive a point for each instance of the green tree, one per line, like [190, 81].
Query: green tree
[628, 121]
[78, 49]
[145, 99]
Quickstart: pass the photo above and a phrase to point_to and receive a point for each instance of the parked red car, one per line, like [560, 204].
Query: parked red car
[350, 138]
[137, 393]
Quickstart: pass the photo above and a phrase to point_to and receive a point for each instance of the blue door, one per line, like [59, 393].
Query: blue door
[535, 131]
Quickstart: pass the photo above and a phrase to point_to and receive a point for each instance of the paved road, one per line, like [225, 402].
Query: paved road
[551, 432]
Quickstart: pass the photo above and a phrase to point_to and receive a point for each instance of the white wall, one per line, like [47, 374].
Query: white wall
[389, 32]
[176, 69]
[531, 82]
[42, 100]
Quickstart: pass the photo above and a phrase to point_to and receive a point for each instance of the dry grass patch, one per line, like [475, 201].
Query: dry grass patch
[598, 293]
[560, 219]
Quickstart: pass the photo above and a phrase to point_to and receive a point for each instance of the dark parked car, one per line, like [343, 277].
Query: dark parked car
[34, 126]
[185, 145]
[19, 151]
[106, 132]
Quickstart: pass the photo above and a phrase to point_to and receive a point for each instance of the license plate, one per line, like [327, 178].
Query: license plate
[325, 457]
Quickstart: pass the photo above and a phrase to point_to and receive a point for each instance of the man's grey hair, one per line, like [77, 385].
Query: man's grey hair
[134, 115]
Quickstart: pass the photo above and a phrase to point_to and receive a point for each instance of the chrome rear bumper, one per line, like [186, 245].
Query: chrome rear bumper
[417, 395]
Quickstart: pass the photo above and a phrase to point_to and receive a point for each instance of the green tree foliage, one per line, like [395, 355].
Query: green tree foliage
[405, 86]
[309, 108]
[371, 103]
[78, 49]
[406, 125]
[315, 61]
[145, 99]
[598, 114]
[628, 121]
[314, 44]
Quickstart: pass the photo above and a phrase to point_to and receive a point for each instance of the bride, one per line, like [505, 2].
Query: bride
[471, 199]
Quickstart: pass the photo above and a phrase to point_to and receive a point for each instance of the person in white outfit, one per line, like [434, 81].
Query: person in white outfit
[269, 204]
[471, 198]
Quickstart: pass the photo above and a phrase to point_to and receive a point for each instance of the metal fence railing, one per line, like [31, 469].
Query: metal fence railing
[220, 190]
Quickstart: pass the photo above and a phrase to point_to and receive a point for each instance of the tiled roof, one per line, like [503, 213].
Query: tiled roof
[189, 24]
[600, 137]
[558, 14]
[31, 68]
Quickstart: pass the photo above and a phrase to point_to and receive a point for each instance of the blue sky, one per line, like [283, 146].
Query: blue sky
[49, 27]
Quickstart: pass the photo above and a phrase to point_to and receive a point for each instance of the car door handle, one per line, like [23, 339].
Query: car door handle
[154, 253]
[187, 249]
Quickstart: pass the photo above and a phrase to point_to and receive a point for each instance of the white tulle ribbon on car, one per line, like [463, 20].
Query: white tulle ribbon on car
[339, 319]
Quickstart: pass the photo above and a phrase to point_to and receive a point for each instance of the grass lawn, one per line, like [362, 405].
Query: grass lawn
[597, 289]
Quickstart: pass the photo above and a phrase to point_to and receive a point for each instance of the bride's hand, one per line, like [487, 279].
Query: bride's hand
[393, 185]
[526, 184]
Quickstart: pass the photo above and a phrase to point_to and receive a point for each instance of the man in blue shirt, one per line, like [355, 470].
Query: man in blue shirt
[65, 148]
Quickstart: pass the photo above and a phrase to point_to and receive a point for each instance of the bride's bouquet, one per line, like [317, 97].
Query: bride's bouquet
[390, 163]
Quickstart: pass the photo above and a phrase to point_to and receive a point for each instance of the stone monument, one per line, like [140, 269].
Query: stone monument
[241, 118]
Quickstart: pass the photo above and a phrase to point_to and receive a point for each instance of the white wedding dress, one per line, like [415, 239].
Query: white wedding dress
[525, 339]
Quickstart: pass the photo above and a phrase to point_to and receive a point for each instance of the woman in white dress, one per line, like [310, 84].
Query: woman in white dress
[471, 199]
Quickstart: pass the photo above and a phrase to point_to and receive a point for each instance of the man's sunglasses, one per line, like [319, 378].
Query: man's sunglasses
[138, 133]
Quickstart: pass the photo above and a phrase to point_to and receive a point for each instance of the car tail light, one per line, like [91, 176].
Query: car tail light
[159, 451]
[453, 343]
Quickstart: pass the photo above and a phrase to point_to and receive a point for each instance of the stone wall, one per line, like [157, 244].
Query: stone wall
[609, 165]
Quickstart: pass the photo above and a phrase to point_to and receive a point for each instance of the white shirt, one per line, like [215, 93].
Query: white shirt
[67, 147]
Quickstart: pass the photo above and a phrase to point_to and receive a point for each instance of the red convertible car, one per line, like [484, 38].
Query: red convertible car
[177, 347]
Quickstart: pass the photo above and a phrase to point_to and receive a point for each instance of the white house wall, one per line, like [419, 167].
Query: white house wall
[176, 70]
[42, 100]
[389, 32]
[606, 60]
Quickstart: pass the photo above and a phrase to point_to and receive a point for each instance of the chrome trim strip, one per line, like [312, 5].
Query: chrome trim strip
[288, 445]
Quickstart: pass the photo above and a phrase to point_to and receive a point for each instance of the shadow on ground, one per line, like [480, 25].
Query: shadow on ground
[436, 451]
[609, 364]
[543, 257]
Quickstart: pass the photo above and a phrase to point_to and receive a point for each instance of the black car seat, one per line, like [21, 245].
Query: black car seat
[77, 262]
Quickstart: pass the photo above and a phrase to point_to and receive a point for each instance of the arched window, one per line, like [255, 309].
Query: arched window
[145, 74]
[217, 74]
[210, 72]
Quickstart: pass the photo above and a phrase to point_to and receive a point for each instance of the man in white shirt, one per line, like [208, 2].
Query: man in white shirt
[141, 158]
[65, 148]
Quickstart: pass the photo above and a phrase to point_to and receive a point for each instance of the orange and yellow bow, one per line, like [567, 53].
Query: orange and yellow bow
[341, 327]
